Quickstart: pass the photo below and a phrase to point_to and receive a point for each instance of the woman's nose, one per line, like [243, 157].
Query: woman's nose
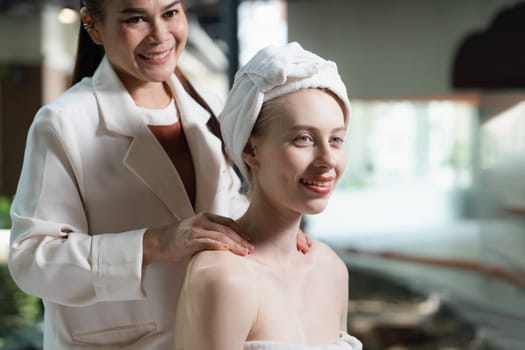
[325, 156]
[158, 32]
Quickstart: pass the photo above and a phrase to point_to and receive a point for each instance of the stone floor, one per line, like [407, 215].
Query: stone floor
[386, 315]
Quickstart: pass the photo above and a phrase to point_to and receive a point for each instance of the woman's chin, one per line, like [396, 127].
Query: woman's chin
[159, 73]
[314, 208]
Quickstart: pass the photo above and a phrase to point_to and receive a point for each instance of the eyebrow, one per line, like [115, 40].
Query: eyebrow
[342, 129]
[132, 10]
[310, 127]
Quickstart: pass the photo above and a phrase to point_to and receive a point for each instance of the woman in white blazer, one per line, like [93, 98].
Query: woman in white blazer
[102, 220]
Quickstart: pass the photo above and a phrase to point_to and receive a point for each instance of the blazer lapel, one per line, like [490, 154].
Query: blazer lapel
[145, 157]
[205, 150]
[148, 161]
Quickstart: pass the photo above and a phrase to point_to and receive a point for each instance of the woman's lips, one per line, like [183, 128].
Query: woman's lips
[156, 57]
[319, 184]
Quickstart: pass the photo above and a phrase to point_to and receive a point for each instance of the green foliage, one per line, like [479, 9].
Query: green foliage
[5, 205]
[20, 313]
[4, 70]
[17, 309]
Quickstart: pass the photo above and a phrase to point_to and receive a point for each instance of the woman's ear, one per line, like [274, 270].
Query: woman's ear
[90, 26]
[249, 154]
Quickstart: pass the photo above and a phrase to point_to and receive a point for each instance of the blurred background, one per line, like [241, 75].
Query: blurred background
[430, 215]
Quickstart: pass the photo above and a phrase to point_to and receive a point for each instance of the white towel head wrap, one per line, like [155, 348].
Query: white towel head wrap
[274, 71]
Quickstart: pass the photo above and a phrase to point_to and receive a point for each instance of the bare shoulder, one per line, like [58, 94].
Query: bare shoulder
[219, 271]
[218, 261]
[328, 259]
[218, 300]
[325, 253]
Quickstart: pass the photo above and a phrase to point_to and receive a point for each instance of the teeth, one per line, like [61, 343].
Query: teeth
[316, 183]
[157, 56]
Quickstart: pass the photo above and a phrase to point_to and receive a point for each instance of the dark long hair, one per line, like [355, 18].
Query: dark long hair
[89, 55]
[213, 123]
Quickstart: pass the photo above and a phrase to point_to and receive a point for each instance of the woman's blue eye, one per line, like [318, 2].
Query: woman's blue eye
[338, 140]
[303, 139]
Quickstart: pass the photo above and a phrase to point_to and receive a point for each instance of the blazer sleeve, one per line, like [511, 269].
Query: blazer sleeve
[52, 255]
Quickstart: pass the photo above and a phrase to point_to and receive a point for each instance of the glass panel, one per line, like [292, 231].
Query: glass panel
[408, 163]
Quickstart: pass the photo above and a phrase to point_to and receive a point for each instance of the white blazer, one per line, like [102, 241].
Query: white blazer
[94, 177]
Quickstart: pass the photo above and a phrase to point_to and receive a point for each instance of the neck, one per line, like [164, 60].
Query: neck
[272, 230]
[151, 95]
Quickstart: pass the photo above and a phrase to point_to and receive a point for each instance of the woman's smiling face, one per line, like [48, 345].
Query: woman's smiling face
[143, 39]
[298, 155]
